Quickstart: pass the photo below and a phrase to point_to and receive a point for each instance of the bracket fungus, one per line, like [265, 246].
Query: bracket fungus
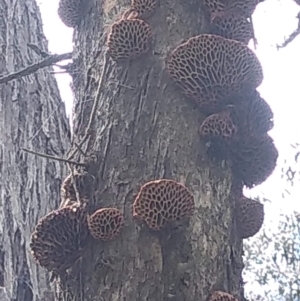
[219, 130]
[71, 11]
[211, 69]
[250, 217]
[162, 201]
[106, 223]
[144, 8]
[233, 27]
[221, 296]
[129, 38]
[254, 159]
[218, 126]
[244, 8]
[252, 114]
[59, 238]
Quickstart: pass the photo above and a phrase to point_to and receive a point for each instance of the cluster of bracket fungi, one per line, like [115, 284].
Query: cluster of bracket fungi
[221, 74]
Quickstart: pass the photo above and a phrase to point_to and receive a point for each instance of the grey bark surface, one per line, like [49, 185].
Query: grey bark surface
[32, 116]
[145, 130]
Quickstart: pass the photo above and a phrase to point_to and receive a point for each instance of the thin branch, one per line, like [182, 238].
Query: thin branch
[95, 105]
[37, 50]
[255, 43]
[52, 157]
[292, 36]
[48, 61]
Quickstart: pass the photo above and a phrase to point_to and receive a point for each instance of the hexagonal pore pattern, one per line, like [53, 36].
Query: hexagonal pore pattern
[252, 114]
[106, 223]
[250, 217]
[210, 69]
[71, 11]
[242, 7]
[233, 27]
[221, 296]
[59, 237]
[219, 126]
[253, 159]
[162, 201]
[144, 8]
[129, 39]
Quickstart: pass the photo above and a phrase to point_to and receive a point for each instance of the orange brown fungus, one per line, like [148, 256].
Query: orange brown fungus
[253, 159]
[221, 296]
[252, 115]
[59, 238]
[211, 69]
[218, 126]
[106, 223]
[144, 8]
[71, 11]
[219, 130]
[233, 27]
[128, 39]
[249, 216]
[162, 201]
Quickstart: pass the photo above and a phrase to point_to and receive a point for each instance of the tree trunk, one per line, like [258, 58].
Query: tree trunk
[144, 130]
[32, 116]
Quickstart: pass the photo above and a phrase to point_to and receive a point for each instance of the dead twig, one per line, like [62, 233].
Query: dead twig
[94, 108]
[53, 157]
[46, 62]
[292, 36]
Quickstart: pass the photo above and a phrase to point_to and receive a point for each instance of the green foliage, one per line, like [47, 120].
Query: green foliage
[272, 261]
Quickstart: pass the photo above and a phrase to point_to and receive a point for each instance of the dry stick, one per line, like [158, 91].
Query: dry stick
[94, 108]
[48, 61]
[254, 37]
[52, 157]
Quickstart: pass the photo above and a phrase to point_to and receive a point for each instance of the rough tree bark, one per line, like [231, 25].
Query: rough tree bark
[32, 116]
[144, 130]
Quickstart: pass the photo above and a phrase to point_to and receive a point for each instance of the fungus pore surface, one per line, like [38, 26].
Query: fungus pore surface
[250, 217]
[252, 114]
[144, 8]
[106, 223]
[59, 238]
[233, 27]
[128, 39]
[221, 296]
[211, 69]
[162, 201]
[253, 159]
[71, 11]
[219, 126]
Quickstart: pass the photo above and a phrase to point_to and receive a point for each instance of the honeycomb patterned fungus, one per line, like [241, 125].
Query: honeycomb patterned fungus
[106, 223]
[222, 8]
[221, 296]
[128, 39]
[219, 126]
[252, 115]
[71, 11]
[211, 69]
[162, 201]
[250, 217]
[233, 27]
[59, 238]
[84, 184]
[253, 159]
[144, 8]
